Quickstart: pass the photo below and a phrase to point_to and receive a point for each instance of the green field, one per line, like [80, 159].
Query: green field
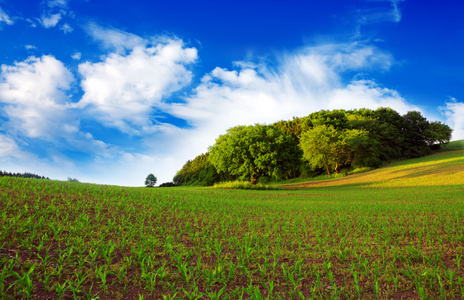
[393, 233]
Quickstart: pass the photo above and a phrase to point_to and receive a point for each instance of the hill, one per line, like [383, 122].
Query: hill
[443, 168]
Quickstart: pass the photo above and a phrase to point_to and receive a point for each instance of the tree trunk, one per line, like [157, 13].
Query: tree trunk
[254, 178]
[328, 170]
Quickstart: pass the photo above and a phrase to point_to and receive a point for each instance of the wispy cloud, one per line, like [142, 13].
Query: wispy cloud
[380, 11]
[303, 82]
[57, 4]
[114, 39]
[30, 47]
[76, 56]
[50, 20]
[66, 28]
[5, 18]
[53, 12]
[396, 11]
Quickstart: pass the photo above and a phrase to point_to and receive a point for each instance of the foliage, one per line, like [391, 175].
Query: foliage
[72, 179]
[167, 184]
[352, 139]
[150, 181]
[293, 128]
[23, 175]
[253, 151]
[324, 146]
[244, 185]
[198, 172]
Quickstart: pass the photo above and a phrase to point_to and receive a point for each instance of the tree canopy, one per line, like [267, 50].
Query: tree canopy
[150, 181]
[256, 150]
[323, 141]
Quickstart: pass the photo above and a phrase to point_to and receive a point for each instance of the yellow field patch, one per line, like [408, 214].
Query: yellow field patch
[446, 168]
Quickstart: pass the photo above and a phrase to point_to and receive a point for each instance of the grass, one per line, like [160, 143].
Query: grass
[392, 233]
[455, 145]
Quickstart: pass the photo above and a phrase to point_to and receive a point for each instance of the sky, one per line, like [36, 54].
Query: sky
[110, 91]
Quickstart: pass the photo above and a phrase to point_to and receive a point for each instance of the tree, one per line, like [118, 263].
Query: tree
[150, 181]
[438, 134]
[250, 152]
[326, 147]
[197, 172]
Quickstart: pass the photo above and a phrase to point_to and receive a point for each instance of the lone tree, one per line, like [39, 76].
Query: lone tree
[150, 181]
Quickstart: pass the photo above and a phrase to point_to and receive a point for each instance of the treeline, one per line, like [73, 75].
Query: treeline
[324, 141]
[23, 175]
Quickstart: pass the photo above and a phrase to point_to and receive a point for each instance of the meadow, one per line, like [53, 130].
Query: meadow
[392, 233]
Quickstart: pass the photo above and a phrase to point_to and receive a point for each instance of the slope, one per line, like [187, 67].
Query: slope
[443, 168]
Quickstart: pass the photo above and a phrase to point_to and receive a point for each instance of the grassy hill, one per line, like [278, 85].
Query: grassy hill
[443, 168]
[393, 233]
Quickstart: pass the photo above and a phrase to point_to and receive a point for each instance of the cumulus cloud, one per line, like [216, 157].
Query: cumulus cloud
[122, 90]
[309, 80]
[34, 96]
[302, 82]
[454, 112]
[4, 18]
[130, 85]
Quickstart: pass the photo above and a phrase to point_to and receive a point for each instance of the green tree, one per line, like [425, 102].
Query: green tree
[197, 172]
[150, 181]
[250, 152]
[438, 134]
[326, 147]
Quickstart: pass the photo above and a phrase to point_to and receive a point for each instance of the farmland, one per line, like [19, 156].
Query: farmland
[393, 233]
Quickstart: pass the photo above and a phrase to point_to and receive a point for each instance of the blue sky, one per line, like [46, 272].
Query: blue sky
[110, 91]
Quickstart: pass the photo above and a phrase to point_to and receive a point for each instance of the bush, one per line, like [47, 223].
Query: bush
[167, 184]
[244, 185]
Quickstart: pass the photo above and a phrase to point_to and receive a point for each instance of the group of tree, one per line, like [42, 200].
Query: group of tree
[324, 141]
[23, 175]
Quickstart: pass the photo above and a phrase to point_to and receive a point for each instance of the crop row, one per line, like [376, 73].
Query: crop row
[72, 240]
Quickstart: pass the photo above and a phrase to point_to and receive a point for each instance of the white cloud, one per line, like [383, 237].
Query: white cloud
[30, 47]
[113, 39]
[14, 159]
[454, 112]
[4, 18]
[122, 90]
[54, 12]
[33, 92]
[49, 21]
[8, 147]
[378, 13]
[396, 11]
[66, 28]
[76, 56]
[57, 3]
[303, 83]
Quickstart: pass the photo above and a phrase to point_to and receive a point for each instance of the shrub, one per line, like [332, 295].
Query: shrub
[244, 185]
